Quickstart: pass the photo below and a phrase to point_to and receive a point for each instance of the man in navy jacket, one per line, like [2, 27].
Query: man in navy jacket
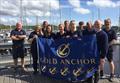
[102, 44]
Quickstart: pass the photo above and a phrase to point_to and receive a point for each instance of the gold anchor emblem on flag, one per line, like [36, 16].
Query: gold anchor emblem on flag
[63, 50]
[77, 72]
[89, 70]
[52, 70]
[64, 71]
[43, 68]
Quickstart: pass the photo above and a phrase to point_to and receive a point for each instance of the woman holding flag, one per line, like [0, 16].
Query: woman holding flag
[32, 40]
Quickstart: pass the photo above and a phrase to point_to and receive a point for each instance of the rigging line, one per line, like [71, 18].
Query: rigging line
[25, 18]
[44, 17]
[70, 13]
[21, 12]
[119, 19]
[98, 13]
[92, 13]
[60, 11]
[50, 19]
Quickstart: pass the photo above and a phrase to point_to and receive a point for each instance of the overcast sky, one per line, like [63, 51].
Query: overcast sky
[56, 11]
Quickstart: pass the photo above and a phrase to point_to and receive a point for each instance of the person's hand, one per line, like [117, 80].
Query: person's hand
[14, 37]
[20, 36]
[67, 36]
[35, 36]
[112, 42]
[75, 36]
[41, 33]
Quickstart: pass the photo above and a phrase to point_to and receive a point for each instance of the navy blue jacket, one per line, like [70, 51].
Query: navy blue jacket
[102, 42]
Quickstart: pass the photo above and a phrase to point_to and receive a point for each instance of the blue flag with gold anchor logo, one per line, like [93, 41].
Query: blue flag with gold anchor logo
[68, 59]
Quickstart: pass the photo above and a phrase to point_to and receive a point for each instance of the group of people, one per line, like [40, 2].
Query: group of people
[105, 36]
